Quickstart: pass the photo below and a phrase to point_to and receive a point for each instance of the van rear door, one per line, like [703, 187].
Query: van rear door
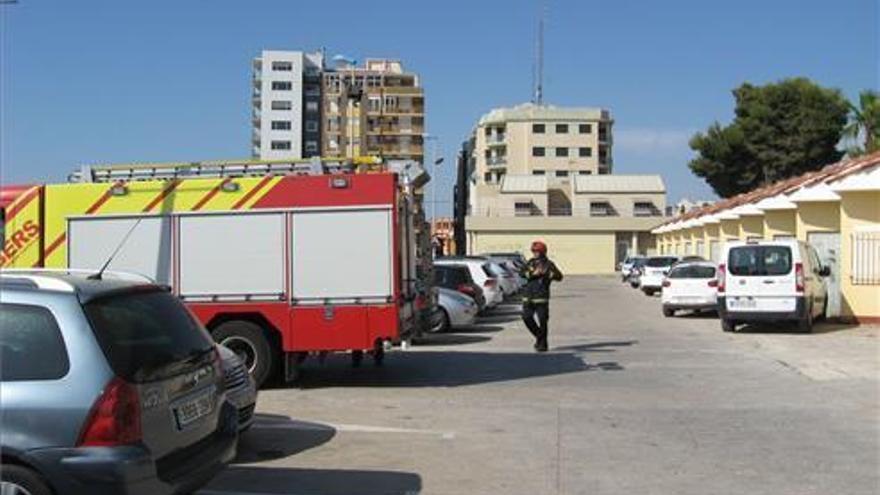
[761, 277]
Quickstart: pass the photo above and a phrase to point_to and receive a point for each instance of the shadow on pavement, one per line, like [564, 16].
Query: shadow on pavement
[445, 369]
[269, 480]
[697, 315]
[819, 327]
[275, 437]
[597, 346]
[435, 339]
[477, 329]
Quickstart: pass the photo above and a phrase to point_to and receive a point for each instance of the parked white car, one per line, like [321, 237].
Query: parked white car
[482, 276]
[654, 272]
[690, 285]
[763, 281]
[628, 264]
[458, 309]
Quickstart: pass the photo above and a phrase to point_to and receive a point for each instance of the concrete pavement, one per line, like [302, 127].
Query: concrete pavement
[627, 401]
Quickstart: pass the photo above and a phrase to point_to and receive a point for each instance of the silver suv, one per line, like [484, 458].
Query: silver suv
[107, 385]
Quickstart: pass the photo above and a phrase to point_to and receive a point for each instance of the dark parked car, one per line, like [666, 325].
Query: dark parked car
[458, 278]
[109, 386]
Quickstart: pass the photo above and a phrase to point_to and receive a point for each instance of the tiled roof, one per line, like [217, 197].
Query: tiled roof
[829, 173]
[619, 184]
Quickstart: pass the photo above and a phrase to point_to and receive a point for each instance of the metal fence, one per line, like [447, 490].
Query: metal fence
[866, 258]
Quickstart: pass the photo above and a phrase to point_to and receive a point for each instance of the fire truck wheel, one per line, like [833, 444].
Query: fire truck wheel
[248, 340]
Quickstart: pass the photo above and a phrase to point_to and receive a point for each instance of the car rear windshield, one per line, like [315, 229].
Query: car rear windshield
[693, 271]
[143, 333]
[451, 276]
[487, 269]
[759, 261]
[660, 261]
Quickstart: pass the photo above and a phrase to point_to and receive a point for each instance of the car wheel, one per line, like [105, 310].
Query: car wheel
[248, 340]
[805, 324]
[19, 480]
[728, 325]
[667, 312]
[445, 324]
[648, 292]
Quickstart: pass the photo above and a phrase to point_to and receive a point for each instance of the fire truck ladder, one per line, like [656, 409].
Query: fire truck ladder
[227, 168]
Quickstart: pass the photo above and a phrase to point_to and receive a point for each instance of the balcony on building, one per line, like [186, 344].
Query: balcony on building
[496, 161]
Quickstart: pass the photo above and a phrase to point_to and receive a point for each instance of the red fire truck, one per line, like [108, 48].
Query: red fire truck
[278, 260]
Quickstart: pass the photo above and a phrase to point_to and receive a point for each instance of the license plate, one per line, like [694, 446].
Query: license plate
[194, 409]
[742, 303]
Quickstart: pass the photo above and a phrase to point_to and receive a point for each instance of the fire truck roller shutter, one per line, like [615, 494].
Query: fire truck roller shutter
[232, 256]
[91, 240]
[342, 255]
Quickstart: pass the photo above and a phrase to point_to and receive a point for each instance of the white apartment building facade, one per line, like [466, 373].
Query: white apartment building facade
[286, 113]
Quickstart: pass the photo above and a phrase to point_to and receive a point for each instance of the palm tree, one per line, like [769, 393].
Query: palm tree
[864, 120]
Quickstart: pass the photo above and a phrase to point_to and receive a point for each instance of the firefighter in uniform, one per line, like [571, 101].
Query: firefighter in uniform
[539, 273]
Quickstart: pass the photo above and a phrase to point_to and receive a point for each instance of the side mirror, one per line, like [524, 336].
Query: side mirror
[825, 271]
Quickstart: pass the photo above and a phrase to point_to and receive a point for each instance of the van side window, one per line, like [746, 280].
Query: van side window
[814, 259]
[31, 346]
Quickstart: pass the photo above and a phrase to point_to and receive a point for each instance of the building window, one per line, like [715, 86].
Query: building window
[562, 173]
[282, 66]
[282, 85]
[311, 146]
[585, 172]
[865, 258]
[280, 145]
[645, 209]
[280, 125]
[538, 128]
[585, 128]
[282, 105]
[538, 172]
[561, 128]
[561, 151]
[523, 208]
[585, 152]
[487, 177]
[311, 106]
[601, 209]
[311, 126]
[538, 151]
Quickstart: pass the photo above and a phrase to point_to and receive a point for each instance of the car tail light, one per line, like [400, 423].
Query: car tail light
[466, 289]
[115, 418]
[721, 282]
[491, 282]
[713, 282]
[667, 283]
[799, 277]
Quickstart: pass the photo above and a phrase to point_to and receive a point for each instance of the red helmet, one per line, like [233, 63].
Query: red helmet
[539, 247]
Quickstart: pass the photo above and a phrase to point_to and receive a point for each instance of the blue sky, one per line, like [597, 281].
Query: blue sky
[89, 81]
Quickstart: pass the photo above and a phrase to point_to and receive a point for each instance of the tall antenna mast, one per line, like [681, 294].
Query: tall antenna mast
[539, 59]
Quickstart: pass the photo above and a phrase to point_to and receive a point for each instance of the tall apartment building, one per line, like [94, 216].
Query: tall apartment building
[286, 101]
[377, 109]
[539, 171]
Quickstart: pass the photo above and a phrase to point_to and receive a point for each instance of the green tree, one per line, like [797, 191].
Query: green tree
[780, 130]
[864, 120]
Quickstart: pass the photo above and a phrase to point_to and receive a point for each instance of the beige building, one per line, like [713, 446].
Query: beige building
[377, 109]
[542, 140]
[544, 172]
[836, 209]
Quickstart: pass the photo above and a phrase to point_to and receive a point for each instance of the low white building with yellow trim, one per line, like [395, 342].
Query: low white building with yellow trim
[836, 208]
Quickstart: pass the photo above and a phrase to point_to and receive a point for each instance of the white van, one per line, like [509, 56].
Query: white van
[771, 281]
